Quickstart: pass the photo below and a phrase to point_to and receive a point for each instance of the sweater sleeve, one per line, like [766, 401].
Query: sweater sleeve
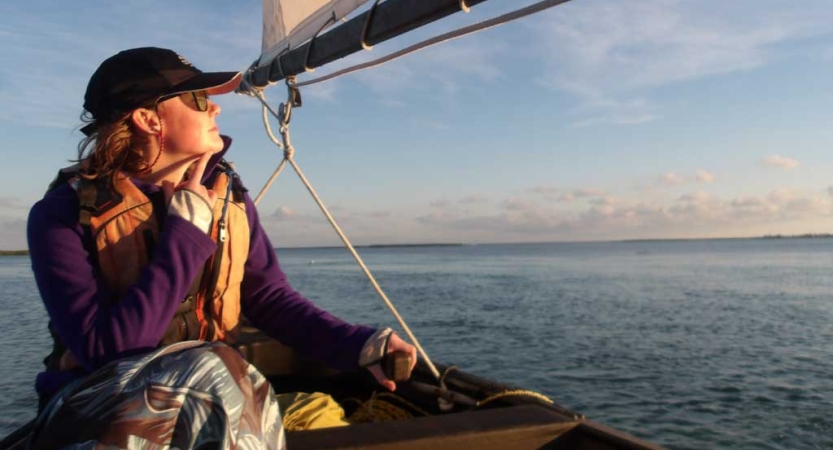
[271, 304]
[95, 327]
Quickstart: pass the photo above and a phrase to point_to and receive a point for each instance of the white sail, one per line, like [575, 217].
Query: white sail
[289, 23]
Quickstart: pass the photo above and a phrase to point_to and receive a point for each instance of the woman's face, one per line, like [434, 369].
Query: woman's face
[186, 130]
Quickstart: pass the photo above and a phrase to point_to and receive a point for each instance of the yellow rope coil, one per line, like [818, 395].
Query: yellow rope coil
[379, 409]
[513, 393]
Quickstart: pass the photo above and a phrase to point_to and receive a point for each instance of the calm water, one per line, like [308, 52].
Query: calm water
[701, 344]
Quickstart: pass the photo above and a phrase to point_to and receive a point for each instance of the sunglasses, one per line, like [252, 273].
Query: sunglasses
[196, 99]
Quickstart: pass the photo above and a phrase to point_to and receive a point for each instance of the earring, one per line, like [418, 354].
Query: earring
[161, 138]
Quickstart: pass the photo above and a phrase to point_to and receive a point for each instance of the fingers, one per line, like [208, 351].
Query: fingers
[194, 181]
[379, 375]
[167, 191]
[396, 344]
[413, 357]
[195, 178]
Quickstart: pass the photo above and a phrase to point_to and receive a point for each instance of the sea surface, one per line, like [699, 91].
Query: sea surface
[690, 344]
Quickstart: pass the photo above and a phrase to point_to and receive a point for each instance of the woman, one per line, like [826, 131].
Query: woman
[146, 254]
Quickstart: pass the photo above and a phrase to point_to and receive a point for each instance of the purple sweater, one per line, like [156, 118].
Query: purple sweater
[98, 330]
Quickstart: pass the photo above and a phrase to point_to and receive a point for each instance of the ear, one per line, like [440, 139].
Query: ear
[146, 120]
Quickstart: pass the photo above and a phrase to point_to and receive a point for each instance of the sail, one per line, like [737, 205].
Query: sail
[289, 23]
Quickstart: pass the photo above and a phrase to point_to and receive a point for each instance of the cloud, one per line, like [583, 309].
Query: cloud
[544, 190]
[585, 193]
[462, 61]
[440, 203]
[677, 179]
[516, 204]
[13, 234]
[284, 213]
[59, 58]
[671, 179]
[566, 196]
[693, 214]
[696, 197]
[474, 199]
[324, 92]
[605, 109]
[13, 203]
[703, 176]
[610, 54]
[781, 162]
[378, 214]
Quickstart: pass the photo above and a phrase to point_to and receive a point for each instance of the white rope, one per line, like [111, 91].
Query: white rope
[267, 108]
[480, 26]
[289, 152]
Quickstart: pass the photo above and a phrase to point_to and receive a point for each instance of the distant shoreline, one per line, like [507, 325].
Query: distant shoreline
[627, 241]
[457, 244]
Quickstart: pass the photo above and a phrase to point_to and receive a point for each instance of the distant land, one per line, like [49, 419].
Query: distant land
[766, 236]
[798, 236]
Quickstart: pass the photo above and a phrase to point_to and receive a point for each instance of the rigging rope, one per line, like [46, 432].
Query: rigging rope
[471, 29]
[284, 116]
[289, 152]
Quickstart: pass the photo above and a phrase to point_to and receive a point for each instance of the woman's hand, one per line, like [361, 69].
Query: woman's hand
[193, 183]
[395, 344]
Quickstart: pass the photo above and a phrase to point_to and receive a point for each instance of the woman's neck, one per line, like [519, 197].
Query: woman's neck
[167, 171]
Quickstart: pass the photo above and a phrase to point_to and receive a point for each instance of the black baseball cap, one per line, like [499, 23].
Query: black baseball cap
[133, 78]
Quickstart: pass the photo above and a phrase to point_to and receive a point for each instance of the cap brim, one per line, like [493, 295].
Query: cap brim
[215, 83]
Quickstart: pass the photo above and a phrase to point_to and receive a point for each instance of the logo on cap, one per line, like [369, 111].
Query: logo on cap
[185, 61]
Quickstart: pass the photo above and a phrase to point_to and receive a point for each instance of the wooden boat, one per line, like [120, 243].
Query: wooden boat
[482, 414]
[461, 411]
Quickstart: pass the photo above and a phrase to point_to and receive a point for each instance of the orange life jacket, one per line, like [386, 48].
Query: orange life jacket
[124, 230]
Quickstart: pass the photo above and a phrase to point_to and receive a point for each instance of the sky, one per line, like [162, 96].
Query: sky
[595, 120]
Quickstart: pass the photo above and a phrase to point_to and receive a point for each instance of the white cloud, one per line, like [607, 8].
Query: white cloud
[693, 214]
[677, 179]
[544, 190]
[696, 197]
[324, 92]
[450, 67]
[671, 179]
[59, 57]
[585, 193]
[517, 204]
[284, 213]
[474, 199]
[703, 176]
[13, 234]
[12, 203]
[378, 214]
[781, 162]
[440, 203]
[566, 196]
[608, 54]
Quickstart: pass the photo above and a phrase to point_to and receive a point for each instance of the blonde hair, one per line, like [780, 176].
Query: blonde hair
[114, 145]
